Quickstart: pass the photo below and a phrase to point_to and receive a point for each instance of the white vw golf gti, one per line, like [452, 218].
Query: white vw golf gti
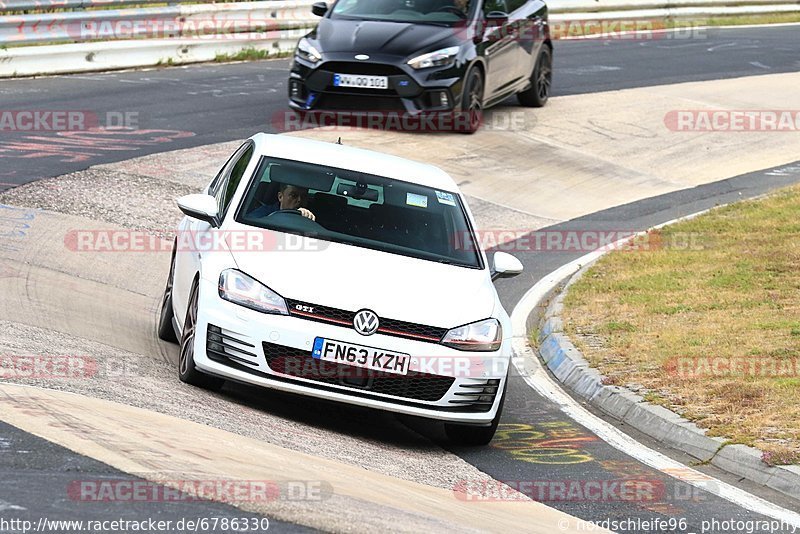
[349, 275]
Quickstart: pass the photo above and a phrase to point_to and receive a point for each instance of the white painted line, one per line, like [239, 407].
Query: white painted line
[723, 45]
[535, 376]
[8, 506]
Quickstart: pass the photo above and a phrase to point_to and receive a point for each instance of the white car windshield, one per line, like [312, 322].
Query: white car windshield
[360, 209]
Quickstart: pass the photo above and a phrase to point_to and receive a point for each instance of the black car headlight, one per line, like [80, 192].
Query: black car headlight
[438, 58]
[483, 336]
[305, 50]
[237, 287]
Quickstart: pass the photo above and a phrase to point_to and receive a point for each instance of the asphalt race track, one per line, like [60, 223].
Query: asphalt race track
[197, 105]
[186, 107]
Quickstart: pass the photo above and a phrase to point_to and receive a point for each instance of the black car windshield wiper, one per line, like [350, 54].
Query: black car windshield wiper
[373, 19]
[359, 17]
[433, 23]
[456, 263]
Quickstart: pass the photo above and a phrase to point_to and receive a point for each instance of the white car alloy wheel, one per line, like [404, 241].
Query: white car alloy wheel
[186, 368]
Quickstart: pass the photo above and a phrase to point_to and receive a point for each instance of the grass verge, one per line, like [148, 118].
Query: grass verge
[706, 321]
[251, 54]
[653, 28]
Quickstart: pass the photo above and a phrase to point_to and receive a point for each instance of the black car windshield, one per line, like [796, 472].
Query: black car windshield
[360, 209]
[449, 12]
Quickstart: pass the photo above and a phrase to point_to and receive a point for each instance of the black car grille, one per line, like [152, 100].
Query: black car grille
[478, 395]
[222, 345]
[358, 102]
[299, 363]
[370, 69]
[390, 327]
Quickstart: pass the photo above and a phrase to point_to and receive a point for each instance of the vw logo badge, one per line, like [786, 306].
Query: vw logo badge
[366, 322]
[362, 57]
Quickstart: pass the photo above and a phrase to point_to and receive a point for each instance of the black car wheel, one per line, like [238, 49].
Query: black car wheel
[165, 329]
[187, 372]
[475, 436]
[541, 79]
[472, 102]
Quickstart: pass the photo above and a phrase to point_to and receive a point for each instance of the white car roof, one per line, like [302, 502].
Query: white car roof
[351, 158]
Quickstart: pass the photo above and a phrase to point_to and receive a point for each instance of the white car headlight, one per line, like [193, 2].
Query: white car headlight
[306, 50]
[237, 287]
[439, 58]
[483, 336]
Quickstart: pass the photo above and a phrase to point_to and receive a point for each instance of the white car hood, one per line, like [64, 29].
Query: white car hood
[393, 286]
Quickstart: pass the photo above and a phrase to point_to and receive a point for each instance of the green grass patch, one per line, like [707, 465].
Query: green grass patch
[251, 54]
[721, 289]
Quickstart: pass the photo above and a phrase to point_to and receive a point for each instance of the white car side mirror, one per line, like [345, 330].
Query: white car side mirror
[202, 207]
[505, 266]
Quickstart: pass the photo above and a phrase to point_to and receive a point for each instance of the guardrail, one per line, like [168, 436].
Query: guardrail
[155, 22]
[50, 5]
[182, 33]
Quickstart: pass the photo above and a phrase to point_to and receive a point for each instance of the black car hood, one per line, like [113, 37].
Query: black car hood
[371, 37]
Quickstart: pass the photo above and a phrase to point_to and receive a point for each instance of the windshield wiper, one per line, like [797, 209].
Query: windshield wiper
[456, 263]
[434, 23]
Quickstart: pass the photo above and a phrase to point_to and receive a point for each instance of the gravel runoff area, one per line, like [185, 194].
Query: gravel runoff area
[140, 194]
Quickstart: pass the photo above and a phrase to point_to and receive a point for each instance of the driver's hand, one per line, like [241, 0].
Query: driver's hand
[307, 214]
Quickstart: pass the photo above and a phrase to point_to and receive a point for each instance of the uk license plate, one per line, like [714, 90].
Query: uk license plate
[373, 358]
[361, 80]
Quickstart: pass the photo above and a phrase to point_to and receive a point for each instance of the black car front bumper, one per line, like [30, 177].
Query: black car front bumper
[311, 86]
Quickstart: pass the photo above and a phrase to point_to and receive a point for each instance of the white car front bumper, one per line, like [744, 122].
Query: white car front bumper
[249, 335]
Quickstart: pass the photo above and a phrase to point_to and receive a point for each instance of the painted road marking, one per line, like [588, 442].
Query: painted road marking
[8, 506]
[592, 69]
[785, 171]
[554, 443]
[536, 377]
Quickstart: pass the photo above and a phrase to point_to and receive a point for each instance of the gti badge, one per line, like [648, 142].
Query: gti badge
[366, 322]
[362, 57]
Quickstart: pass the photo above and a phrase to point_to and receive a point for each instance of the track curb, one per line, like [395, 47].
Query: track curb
[569, 367]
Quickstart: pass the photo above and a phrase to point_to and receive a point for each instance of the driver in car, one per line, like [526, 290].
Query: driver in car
[290, 197]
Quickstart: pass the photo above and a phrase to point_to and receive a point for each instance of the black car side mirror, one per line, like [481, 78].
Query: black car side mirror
[319, 8]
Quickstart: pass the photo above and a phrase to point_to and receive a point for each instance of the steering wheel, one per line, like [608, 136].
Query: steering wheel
[454, 10]
[288, 212]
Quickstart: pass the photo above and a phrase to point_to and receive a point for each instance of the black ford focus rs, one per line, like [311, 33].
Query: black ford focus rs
[423, 56]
